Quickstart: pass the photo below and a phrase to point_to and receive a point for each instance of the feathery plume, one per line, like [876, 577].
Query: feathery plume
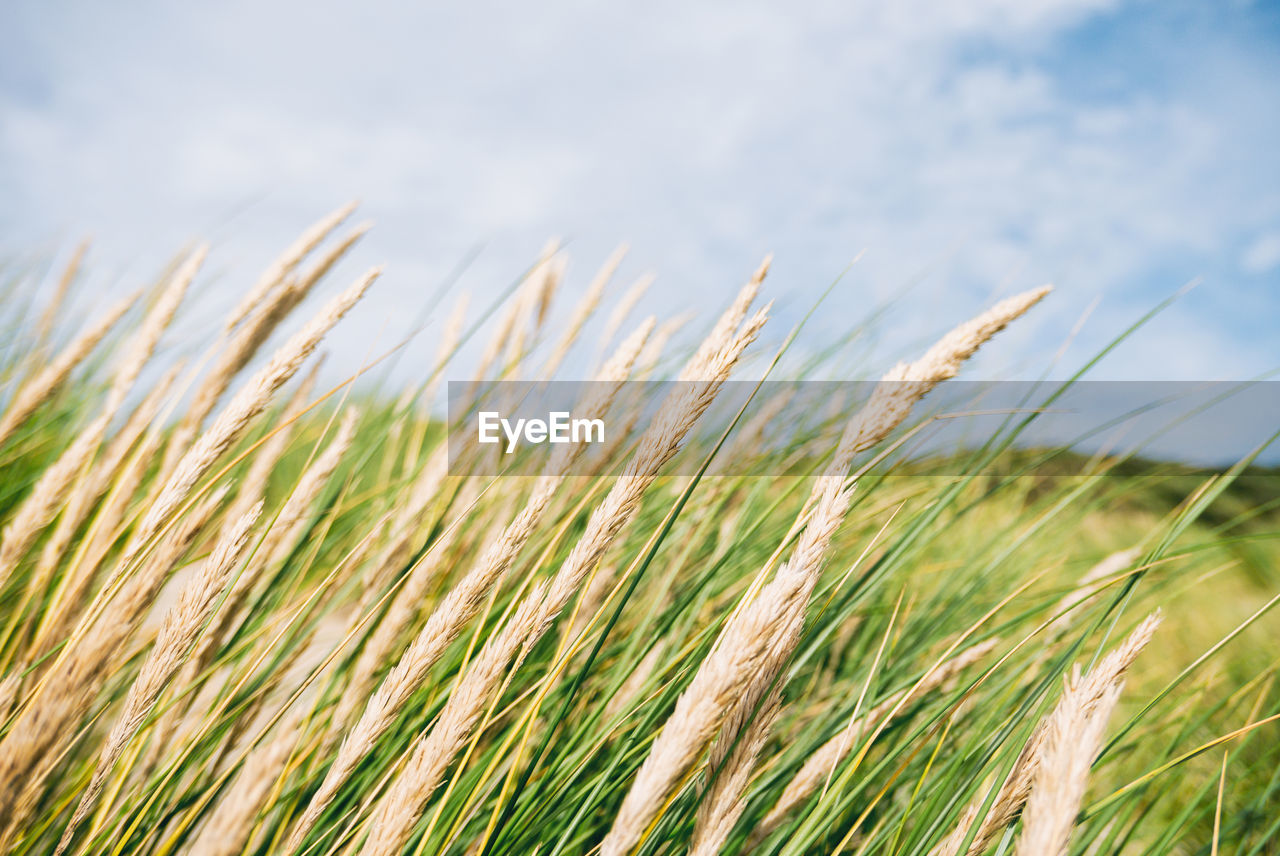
[293, 517]
[1072, 741]
[424, 489]
[39, 507]
[103, 535]
[42, 387]
[907, 383]
[829, 502]
[405, 524]
[662, 336]
[143, 343]
[52, 309]
[725, 798]
[460, 605]
[252, 492]
[253, 486]
[247, 404]
[287, 261]
[182, 624]
[672, 756]
[699, 384]
[387, 632]
[90, 489]
[746, 645]
[9, 687]
[57, 483]
[27, 750]
[532, 302]
[227, 830]
[586, 307]
[623, 309]
[244, 343]
[1090, 695]
[501, 336]
[731, 319]
[399, 809]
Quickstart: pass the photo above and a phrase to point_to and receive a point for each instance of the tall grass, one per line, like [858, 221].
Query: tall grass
[247, 607]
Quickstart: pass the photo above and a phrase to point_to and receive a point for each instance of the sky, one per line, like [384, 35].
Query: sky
[960, 151]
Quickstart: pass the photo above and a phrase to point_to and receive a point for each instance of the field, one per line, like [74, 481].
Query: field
[246, 609]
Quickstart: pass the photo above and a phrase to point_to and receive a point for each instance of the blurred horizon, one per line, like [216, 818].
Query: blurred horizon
[961, 152]
[1079, 428]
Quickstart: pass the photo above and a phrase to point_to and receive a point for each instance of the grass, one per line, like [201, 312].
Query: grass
[393, 655]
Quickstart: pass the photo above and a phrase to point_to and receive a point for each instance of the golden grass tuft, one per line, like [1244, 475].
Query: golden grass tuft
[246, 607]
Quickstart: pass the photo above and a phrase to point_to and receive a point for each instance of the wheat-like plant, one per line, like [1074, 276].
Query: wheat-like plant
[253, 601]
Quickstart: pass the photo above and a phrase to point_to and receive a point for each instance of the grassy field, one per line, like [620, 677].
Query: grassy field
[243, 611]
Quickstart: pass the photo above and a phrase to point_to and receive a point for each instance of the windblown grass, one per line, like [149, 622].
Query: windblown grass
[245, 612]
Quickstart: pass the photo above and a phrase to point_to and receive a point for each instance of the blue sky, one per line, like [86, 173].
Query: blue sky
[965, 149]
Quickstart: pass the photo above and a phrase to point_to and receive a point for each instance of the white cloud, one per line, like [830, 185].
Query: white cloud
[1263, 255]
[937, 136]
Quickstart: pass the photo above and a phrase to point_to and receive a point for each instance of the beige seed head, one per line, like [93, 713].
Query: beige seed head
[1072, 741]
[227, 830]
[907, 383]
[1089, 696]
[729, 321]
[586, 307]
[652, 352]
[399, 809]
[458, 607]
[252, 491]
[47, 722]
[293, 517]
[38, 508]
[724, 801]
[287, 261]
[144, 341]
[386, 633]
[748, 720]
[661, 440]
[253, 486]
[630, 298]
[104, 533]
[247, 404]
[182, 624]
[49, 380]
[244, 344]
[745, 646]
[49, 318]
[1065, 611]
[90, 487]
